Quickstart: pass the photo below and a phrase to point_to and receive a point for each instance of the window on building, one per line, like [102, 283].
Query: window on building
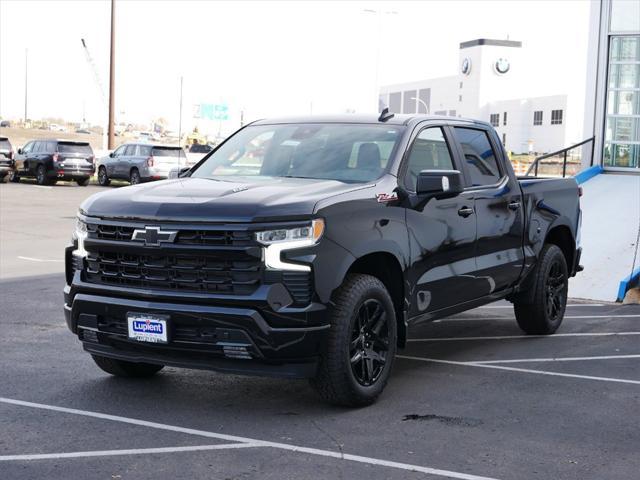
[480, 157]
[504, 118]
[537, 117]
[440, 112]
[504, 139]
[494, 119]
[424, 100]
[409, 101]
[556, 117]
[460, 84]
[452, 113]
[428, 152]
[395, 102]
[459, 98]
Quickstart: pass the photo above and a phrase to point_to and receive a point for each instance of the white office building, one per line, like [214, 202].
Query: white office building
[493, 84]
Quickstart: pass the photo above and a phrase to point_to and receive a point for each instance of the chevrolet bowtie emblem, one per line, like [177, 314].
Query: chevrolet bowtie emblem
[153, 236]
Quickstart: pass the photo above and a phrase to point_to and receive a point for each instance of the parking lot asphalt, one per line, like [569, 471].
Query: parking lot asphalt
[469, 398]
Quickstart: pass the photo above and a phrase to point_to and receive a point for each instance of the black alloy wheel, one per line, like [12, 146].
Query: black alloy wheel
[369, 342]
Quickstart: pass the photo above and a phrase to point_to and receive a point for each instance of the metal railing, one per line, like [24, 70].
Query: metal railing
[564, 153]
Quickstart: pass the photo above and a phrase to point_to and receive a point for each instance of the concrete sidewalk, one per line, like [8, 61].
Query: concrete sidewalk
[610, 222]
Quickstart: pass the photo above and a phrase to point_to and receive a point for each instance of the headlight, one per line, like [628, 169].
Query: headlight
[80, 234]
[277, 241]
[310, 232]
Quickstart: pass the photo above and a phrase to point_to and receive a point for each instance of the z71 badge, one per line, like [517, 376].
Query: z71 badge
[387, 197]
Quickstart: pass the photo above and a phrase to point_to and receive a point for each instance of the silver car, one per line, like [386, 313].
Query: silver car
[140, 162]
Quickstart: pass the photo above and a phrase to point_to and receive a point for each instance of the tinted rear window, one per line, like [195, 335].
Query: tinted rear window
[70, 147]
[168, 152]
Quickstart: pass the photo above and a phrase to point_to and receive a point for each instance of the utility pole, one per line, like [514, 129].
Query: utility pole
[26, 76]
[180, 120]
[112, 74]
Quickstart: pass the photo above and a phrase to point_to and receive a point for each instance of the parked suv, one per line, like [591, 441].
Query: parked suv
[52, 160]
[6, 158]
[140, 162]
[310, 247]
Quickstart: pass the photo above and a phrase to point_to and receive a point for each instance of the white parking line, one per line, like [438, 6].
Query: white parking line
[522, 370]
[510, 337]
[251, 441]
[557, 359]
[136, 451]
[511, 319]
[31, 259]
[569, 305]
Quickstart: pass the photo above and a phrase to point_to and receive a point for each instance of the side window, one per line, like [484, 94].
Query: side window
[37, 147]
[428, 152]
[130, 151]
[52, 147]
[119, 151]
[144, 150]
[28, 148]
[479, 156]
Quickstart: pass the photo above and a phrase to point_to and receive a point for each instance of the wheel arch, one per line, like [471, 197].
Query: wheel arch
[560, 235]
[387, 268]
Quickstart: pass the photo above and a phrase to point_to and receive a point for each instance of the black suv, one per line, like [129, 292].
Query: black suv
[52, 160]
[310, 247]
[6, 158]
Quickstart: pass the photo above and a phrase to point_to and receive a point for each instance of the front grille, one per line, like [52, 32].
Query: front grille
[239, 238]
[184, 272]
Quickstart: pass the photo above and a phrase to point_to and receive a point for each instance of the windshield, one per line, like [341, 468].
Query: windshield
[343, 152]
[68, 147]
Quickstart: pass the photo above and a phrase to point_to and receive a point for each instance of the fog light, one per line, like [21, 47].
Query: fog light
[88, 335]
[236, 351]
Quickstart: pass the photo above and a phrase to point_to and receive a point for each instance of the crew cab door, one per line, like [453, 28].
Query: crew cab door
[442, 235]
[498, 208]
[22, 157]
[111, 162]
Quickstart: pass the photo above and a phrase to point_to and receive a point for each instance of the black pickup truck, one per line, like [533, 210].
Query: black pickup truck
[309, 247]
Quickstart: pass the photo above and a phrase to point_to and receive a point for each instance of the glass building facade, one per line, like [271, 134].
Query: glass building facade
[621, 146]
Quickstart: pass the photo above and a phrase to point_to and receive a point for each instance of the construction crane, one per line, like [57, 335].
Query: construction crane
[103, 96]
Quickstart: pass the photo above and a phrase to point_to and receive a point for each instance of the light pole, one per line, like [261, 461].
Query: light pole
[112, 75]
[426, 107]
[379, 14]
[26, 76]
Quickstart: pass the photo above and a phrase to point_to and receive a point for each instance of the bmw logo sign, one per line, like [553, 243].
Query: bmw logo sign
[466, 66]
[502, 66]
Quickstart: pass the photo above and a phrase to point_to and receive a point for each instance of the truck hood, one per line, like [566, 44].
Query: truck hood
[205, 200]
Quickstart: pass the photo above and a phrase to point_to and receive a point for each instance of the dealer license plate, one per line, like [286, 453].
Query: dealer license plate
[145, 327]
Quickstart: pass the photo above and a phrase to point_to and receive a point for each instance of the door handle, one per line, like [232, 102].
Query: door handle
[514, 206]
[465, 212]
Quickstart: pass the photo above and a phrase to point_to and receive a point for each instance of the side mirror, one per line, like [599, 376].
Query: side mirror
[111, 155]
[183, 172]
[439, 183]
[19, 151]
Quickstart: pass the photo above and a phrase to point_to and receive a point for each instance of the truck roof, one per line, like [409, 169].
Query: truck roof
[397, 119]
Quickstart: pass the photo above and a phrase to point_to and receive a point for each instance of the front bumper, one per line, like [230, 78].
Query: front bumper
[245, 335]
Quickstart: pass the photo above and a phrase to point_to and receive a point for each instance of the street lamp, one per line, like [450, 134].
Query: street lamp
[379, 14]
[426, 107]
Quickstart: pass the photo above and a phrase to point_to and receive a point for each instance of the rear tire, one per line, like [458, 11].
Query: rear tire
[121, 368]
[544, 314]
[103, 178]
[134, 176]
[83, 182]
[41, 176]
[358, 355]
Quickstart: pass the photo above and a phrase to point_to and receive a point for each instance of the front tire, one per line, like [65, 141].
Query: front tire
[122, 368]
[358, 356]
[544, 314]
[103, 178]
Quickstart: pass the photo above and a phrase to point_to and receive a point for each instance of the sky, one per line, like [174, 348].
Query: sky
[264, 58]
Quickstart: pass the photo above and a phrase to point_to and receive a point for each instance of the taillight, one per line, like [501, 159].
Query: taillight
[55, 157]
[91, 159]
[150, 162]
[11, 155]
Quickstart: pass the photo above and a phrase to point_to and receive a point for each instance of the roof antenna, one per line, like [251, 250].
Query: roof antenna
[385, 115]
